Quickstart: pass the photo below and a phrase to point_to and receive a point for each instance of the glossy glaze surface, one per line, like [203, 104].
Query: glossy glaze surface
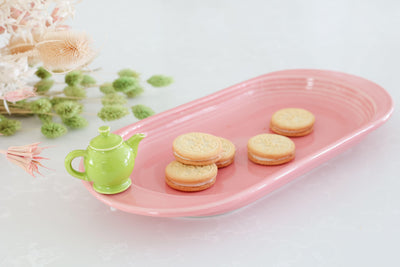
[108, 161]
[346, 108]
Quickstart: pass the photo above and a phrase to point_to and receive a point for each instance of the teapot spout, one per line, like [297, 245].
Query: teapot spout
[134, 141]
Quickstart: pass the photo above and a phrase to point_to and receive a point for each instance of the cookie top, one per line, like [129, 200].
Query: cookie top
[228, 150]
[189, 174]
[271, 146]
[292, 119]
[197, 146]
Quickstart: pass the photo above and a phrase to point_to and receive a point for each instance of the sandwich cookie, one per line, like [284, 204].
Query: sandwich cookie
[190, 178]
[228, 153]
[292, 122]
[197, 148]
[270, 149]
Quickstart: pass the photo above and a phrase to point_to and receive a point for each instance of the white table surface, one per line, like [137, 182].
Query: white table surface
[343, 213]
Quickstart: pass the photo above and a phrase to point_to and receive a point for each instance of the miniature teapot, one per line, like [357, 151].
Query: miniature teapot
[108, 161]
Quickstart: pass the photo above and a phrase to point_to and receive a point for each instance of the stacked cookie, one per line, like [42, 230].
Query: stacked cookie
[198, 156]
[197, 159]
[275, 149]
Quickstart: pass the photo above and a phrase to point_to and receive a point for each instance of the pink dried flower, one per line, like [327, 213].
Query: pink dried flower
[25, 157]
[19, 94]
[64, 51]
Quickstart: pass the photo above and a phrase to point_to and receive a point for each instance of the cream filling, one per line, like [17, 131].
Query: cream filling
[190, 185]
[223, 162]
[290, 131]
[179, 156]
[267, 159]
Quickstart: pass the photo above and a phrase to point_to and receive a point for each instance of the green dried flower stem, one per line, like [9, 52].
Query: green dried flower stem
[134, 92]
[75, 122]
[112, 112]
[42, 73]
[9, 127]
[73, 78]
[22, 104]
[53, 130]
[128, 73]
[40, 106]
[75, 91]
[160, 80]
[107, 88]
[113, 99]
[88, 81]
[68, 109]
[44, 85]
[142, 111]
[125, 84]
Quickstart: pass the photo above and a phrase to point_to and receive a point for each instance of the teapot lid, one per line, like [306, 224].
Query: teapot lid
[106, 140]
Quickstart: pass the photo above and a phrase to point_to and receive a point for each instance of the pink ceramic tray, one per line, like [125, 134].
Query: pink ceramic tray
[346, 109]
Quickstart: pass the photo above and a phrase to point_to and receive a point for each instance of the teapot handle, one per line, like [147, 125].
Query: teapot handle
[68, 164]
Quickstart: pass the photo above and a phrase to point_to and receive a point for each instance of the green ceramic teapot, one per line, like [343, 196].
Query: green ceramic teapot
[108, 161]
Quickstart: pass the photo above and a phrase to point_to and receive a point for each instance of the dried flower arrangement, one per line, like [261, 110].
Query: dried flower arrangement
[39, 45]
[68, 103]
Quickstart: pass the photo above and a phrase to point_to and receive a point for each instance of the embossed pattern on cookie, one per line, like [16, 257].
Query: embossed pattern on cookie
[197, 148]
[270, 149]
[292, 122]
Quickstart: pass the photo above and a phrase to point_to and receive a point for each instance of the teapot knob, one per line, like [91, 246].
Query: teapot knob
[104, 130]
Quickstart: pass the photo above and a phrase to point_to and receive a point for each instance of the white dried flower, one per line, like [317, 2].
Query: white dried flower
[14, 73]
[14, 76]
[27, 16]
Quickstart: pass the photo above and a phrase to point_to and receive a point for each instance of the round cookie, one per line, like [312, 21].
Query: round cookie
[228, 153]
[190, 178]
[197, 148]
[270, 149]
[292, 122]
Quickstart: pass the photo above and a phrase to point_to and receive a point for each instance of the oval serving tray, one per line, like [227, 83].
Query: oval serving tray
[346, 108]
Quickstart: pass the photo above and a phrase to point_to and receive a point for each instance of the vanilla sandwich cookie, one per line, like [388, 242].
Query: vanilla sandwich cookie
[270, 149]
[228, 153]
[197, 148]
[292, 122]
[190, 178]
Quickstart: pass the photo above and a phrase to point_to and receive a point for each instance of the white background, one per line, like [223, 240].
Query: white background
[344, 213]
